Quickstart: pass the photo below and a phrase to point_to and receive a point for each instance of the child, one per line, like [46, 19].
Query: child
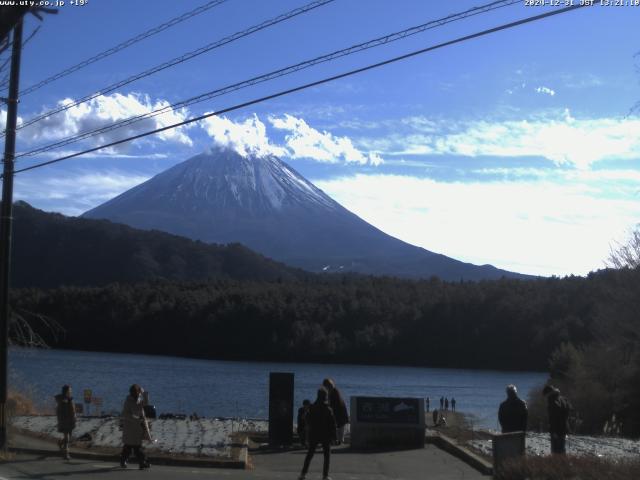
[302, 421]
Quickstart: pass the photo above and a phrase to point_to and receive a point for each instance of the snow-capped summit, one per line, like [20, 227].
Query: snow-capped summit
[222, 197]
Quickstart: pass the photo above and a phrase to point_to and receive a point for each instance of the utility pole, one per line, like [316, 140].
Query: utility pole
[6, 212]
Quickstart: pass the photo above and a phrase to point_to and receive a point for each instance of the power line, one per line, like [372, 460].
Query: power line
[183, 58]
[123, 45]
[310, 85]
[5, 81]
[276, 74]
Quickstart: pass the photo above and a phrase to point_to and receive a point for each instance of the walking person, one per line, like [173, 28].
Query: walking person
[339, 407]
[66, 415]
[453, 404]
[513, 413]
[134, 428]
[321, 428]
[441, 403]
[446, 404]
[558, 408]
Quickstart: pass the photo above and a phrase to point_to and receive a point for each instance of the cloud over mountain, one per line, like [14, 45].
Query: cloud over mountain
[103, 111]
[301, 141]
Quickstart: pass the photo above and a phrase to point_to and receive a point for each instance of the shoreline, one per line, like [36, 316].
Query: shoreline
[279, 362]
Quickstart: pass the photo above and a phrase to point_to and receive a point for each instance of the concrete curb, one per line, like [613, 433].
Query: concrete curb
[238, 460]
[450, 446]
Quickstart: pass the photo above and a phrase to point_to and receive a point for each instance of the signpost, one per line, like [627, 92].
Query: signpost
[387, 422]
[97, 401]
[87, 399]
[507, 446]
[280, 409]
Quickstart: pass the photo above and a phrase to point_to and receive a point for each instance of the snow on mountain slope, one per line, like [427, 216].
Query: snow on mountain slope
[223, 197]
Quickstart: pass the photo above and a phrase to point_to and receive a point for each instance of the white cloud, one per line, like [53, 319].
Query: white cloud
[557, 136]
[546, 91]
[247, 137]
[304, 141]
[103, 111]
[537, 227]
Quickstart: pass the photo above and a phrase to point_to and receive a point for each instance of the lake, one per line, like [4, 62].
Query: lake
[240, 389]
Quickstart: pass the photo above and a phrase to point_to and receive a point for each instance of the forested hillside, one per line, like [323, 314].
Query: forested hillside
[51, 250]
[505, 324]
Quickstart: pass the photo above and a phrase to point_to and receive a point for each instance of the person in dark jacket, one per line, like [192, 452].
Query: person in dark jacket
[339, 407]
[513, 413]
[134, 428]
[302, 421]
[66, 414]
[321, 428]
[558, 408]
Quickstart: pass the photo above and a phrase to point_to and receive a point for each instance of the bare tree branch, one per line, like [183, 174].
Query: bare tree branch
[22, 329]
[626, 255]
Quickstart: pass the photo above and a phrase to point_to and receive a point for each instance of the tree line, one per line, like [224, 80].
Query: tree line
[503, 324]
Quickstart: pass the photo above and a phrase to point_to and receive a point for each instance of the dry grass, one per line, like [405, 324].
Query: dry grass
[19, 404]
[560, 467]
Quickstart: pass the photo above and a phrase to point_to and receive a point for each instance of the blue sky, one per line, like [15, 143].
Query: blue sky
[519, 149]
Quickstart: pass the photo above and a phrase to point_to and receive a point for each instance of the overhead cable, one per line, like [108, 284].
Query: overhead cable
[310, 85]
[275, 74]
[182, 58]
[121, 46]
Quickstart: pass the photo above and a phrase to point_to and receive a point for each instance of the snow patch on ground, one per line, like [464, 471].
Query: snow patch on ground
[539, 444]
[205, 436]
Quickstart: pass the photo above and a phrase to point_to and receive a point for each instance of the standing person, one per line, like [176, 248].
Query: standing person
[446, 404]
[321, 428]
[453, 404]
[513, 412]
[339, 407]
[66, 414]
[558, 408]
[427, 404]
[302, 421]
[134, 427]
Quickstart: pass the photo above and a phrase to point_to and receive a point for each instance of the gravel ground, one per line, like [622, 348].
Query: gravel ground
[205, 436]
[538, 444]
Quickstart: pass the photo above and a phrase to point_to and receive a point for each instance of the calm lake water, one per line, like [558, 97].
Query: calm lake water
[232, 389]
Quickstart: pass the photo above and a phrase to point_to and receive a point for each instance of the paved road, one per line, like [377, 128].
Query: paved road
[430, 462]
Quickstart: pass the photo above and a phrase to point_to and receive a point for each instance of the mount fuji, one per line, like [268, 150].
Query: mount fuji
[260, 201]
